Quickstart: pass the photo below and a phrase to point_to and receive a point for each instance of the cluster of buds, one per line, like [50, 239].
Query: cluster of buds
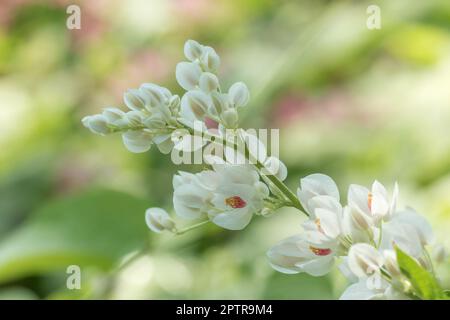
[244, 180]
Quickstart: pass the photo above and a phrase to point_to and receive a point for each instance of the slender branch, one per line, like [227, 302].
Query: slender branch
[194, 226]
[273, 178]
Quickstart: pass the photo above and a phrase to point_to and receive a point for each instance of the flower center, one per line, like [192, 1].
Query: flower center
[319, 226]
[235, 202]
[320, 251]
[369, 200]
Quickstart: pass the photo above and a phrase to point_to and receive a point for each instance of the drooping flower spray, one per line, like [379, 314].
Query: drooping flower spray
[379, 247]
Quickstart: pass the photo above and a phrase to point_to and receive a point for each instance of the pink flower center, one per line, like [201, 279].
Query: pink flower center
[320, 251]
[369, 200]
[235, 202]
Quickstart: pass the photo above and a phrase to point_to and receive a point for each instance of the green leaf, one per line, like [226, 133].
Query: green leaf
[299, 286]
[424, 283]
[92, 229]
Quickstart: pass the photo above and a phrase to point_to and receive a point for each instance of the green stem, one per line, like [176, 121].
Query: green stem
[194, 226]
[381, 233]
[294, 202]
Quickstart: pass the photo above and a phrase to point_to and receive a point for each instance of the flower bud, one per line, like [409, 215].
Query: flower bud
[275, 166]
[364, 260]
[439, 253]
[174, 102]
[210, 59]
[195, 104]
[193, 50]
[208, 82]
[154, 95]
[219, 103]
[239, 94]
[97, 124]
[188, 75]
[390, 263]
[137, 141]
[134, 100]
[230, 118]
[359, 219]
[134, 118]
[113, 114]
[154, 121]
[158, 220]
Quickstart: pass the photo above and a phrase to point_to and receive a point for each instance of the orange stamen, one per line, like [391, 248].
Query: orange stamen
[235, 202]
[369, 200]
[320, 251]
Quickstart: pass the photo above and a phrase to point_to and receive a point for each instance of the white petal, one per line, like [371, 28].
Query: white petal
[164, 143]
[420, 224]
[239, 94]
[329, 222]
[188, 75]
[195, 104]
[208, 82]
[314, 185]
[137, 141]
[158, 220]
[364, 260]
[134, 100]
[276, 167]
[210, 59]
[359, 291]
[358, 196]
[192, 50]
[233, 220]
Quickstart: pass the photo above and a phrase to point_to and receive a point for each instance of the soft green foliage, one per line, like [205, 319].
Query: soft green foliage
[352, 103]
[95, 228]
[424, 283]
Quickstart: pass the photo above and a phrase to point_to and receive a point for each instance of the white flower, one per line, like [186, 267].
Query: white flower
[276, 167]
[390, 263]
[360, 291]
[115, 116]
[374, 204]
[239, 94]
[134, 100]
[137, 141]
[239, 194]
[159, 220]
[210, 60]
[193, 50]
[192, 193]
[440, 254]
[229, 195]
[295, 254]
[195, 105]
[409, 231]
[97, 124]
[364, 260]
[230, 118]
[327, 227]
[315, 185]
[188, 75]
[208, 82]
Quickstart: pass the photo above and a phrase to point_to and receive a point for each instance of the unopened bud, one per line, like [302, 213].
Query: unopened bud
[159, 220]
[230, 118]
[239, 94]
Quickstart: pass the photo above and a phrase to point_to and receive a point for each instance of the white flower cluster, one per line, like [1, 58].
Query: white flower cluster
[155, 113]
[362, 234]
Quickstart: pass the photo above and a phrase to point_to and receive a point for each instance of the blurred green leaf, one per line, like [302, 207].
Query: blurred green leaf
[17, 293]
[422, 281]
[300, 286]
[92, 229]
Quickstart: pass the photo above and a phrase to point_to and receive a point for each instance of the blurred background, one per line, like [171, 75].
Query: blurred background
[353, 103]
